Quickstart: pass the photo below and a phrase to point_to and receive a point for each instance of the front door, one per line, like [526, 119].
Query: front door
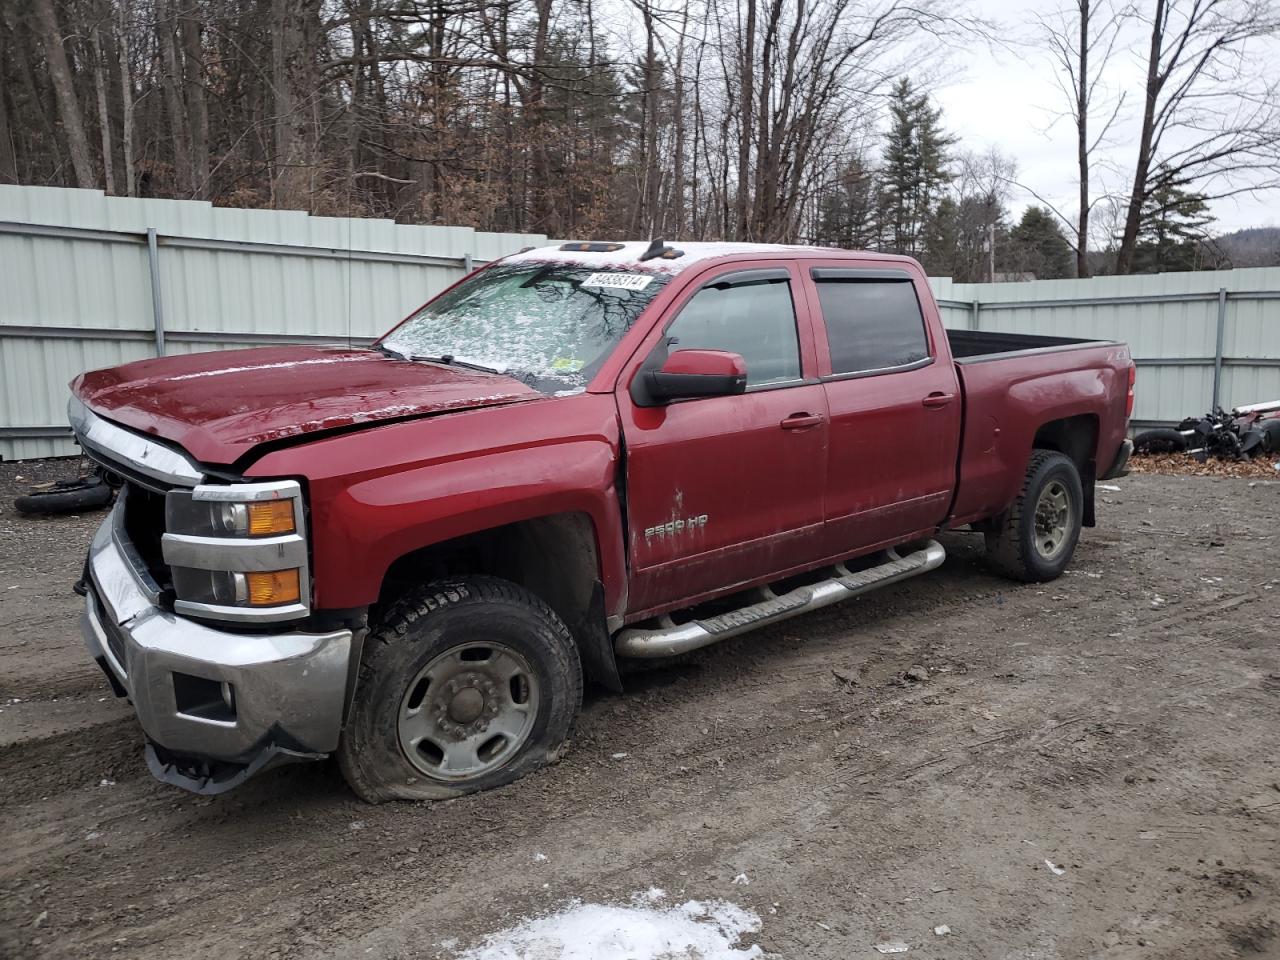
[725, 490]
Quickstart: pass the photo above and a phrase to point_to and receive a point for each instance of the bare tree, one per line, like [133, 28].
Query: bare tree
[1210, 117]
[1081, 40]
[69, 109]
[126, 97]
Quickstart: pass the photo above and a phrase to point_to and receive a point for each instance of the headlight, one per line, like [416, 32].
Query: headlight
[238, 551]
[228, 518]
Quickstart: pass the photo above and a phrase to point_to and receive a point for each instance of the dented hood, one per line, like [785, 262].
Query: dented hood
[218, 406]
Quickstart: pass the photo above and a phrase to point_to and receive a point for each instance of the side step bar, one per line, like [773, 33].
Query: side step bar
[669, 638]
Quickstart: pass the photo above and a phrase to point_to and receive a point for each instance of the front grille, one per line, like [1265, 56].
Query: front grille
[144, 526]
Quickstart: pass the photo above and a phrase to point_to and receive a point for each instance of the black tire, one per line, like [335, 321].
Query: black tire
[1160, 440]
[1270, 435]
[1015, 547]
[89, 496]
[451, 619]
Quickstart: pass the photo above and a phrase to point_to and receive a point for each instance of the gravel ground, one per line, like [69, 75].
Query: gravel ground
[1090, 769]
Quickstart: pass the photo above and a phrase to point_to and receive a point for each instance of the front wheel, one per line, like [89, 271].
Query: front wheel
[465, 684]
[1035, 539]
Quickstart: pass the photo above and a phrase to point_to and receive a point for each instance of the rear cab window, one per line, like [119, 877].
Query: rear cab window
[873, 320]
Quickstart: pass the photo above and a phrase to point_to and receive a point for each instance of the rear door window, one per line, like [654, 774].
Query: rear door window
[872, 324]
[754, 318]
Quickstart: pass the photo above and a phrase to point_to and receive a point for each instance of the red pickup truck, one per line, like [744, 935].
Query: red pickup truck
[411, 555]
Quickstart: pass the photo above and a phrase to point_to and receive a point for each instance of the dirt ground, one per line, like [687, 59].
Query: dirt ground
[1122, 723]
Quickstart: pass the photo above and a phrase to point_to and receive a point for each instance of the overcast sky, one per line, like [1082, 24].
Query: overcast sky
[1010, 99]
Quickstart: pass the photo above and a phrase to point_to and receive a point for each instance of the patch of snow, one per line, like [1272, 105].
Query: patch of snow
[695, 930]
[1056, 870]
[1108, 486]
[539, 858]
[629, 256]
[741, 880]
[893, 946]
[618, 756]
[106, 783]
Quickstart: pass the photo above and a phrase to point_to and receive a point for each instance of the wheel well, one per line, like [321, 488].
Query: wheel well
[1077, 438]
[554, 556]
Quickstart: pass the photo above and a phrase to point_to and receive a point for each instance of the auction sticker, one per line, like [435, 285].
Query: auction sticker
[619, 281]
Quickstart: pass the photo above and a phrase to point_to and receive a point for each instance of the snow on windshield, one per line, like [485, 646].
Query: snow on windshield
[549, 325]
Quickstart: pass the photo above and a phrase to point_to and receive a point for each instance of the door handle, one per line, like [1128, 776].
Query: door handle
[937, 399]
[801, 421]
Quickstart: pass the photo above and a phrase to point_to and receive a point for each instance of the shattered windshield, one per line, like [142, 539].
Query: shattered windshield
[550, 325]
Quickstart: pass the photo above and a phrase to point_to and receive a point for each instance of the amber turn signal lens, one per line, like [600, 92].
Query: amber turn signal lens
[272, 587]
[271, 516]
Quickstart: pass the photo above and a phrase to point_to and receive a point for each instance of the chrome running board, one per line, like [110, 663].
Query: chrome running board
[669, 638]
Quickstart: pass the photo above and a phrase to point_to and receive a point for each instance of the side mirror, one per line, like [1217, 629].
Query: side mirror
[693, 373]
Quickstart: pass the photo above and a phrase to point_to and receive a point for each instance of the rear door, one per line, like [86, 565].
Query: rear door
[894, 403]
[724, 490]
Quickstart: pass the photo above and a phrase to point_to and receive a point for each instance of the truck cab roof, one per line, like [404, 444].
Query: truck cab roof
[628, 255]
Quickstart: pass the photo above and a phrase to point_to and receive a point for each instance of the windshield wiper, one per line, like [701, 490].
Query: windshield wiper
[386, 351]
[449, 360]
[446, 358]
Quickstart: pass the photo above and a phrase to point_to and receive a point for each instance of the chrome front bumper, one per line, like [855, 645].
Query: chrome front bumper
[275, 696]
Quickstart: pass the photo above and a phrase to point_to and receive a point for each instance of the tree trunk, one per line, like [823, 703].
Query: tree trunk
[1142, 169]
[8, 155]
[1082, 143]
[746, 89]
[295, 32]
[166, 31]
[676, 197]
[126, 98]
[197, 107]
[21, 43]
[535, 113]
[649, 224]
[65, 93]
[104, 117]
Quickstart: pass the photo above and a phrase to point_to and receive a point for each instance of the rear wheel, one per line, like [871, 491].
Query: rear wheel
[466, 684]
[1035, 539]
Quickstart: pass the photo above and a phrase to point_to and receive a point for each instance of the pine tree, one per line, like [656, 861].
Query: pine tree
[1173, 231]
[1039, 247]
[915, 166]
[941, 240]
[847, 208]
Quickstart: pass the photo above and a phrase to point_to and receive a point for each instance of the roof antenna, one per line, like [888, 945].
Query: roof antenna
[655, 250]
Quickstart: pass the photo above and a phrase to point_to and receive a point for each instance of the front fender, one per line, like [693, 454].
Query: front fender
[366, 527]
[377, 495]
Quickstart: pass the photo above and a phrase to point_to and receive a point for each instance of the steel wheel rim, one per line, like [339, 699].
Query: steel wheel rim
[1052, 520]
[468, 711]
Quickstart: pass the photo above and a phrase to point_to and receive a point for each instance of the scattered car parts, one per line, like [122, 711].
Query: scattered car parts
[1242, 434]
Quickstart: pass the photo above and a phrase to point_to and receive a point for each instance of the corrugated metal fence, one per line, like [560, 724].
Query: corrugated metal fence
[88, 281]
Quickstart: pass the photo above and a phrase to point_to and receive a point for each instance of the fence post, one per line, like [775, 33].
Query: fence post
[466, 264]
[974, 322]
[1217, 352]
[157, 306]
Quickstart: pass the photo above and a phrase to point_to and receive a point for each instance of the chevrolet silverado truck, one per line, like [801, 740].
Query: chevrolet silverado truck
[411, 555]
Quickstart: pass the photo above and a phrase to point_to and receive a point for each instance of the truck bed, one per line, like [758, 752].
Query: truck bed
[1014, 383]
[975, 346]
